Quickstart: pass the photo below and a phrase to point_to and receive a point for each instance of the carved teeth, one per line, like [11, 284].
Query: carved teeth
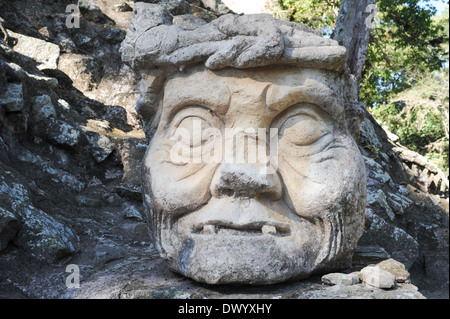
[209, 229]
[269, 230]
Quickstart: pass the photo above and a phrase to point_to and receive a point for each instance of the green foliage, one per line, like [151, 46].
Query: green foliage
[419, 117]
[403, 81]
[406, 44]
[318, 14]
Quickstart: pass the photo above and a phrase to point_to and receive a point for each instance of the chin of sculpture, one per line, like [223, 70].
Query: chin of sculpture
[252, 175]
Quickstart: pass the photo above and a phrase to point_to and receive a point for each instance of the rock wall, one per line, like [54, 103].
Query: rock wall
[70, 151]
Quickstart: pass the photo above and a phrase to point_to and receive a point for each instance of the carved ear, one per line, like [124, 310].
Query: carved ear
[354, 108]
[354, 114]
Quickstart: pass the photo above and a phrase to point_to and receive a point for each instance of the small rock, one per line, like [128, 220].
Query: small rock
[396, 268]
[378, 277]
[100, 146]
[340, 279]
[61, 133]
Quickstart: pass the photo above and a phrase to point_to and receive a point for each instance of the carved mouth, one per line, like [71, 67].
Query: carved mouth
[253, 229]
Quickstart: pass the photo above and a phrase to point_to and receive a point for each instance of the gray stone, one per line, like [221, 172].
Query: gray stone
[12, 98]
[43, 107]
[396, 268]
[395, 241]
[100, 146]
[40, 234]
[58, 132]
[43, 236]
[376, 171]
[398, 202]
[378, 277]
[379, 198]
[340, 279]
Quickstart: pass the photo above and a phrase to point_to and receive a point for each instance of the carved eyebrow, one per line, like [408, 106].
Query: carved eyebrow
[196, 103]
[280, 97]
[216, 98]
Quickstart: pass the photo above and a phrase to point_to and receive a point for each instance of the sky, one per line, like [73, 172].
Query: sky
[440, 5]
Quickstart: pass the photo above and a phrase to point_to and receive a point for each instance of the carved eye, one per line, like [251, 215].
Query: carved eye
[195, 127]
[302, 129]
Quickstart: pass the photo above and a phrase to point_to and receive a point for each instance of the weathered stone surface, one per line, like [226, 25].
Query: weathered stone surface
[40, 234]
[340, 279]
[378, 277]
[261, 42]
[396, 268]
[395, 241]
[85, 72]
[46, 54]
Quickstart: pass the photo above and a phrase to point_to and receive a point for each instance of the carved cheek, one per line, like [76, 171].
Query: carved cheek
[314, 185]
[176, 189]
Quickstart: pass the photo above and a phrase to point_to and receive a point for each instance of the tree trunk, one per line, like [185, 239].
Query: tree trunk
[352, 30]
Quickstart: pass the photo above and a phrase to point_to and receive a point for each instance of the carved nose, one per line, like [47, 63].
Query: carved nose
[245, 180]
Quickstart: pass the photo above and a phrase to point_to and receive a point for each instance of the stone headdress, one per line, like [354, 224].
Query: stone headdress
[155, 48]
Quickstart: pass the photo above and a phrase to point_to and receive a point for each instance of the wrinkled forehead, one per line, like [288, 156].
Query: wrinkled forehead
[276, 88]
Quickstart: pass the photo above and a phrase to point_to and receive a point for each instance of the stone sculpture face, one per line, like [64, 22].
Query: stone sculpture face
[238, 222]
[252, 174]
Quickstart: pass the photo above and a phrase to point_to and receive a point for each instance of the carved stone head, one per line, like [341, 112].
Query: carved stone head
[252, 174]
